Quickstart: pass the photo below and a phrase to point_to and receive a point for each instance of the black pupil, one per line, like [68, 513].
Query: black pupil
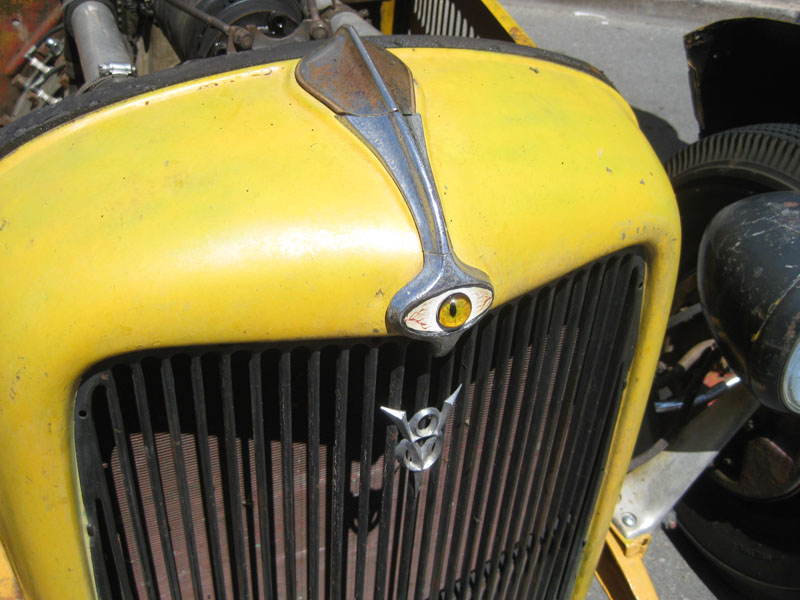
[453, 308]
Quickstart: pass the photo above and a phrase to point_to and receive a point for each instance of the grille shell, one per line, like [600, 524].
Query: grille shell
[170, 463]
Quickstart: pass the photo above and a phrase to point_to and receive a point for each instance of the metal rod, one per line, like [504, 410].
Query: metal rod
[200, 15]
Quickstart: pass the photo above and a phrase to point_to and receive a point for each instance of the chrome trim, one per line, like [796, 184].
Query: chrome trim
[375, 100]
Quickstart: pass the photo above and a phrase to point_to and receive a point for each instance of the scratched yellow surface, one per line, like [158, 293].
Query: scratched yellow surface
[236, 208]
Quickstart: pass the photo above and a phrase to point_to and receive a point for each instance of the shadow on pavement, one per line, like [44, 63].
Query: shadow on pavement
[702, 567]
[661, 135]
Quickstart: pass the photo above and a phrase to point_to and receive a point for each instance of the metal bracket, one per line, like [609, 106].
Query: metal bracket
[651, 490]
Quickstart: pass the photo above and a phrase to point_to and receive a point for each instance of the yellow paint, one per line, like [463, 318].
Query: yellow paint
[508, 23]
[387, 17]
[236, 207]
[9, 588]
[621, 570]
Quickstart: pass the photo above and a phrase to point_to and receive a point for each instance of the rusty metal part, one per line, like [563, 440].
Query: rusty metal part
[621, 569]
[50, 20]
[339, 78]
[765, 463]
[240, 37]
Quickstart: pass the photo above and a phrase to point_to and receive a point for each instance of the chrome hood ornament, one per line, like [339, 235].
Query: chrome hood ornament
[372, 93]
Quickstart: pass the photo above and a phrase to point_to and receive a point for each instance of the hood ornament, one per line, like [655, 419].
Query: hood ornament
[372, 93]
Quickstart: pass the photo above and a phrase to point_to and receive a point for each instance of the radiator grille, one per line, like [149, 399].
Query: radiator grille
[268, 472]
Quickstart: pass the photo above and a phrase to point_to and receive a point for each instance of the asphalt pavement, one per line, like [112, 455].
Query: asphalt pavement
[639, 46]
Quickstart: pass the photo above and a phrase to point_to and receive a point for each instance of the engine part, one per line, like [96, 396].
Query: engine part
[192, 37]
[102, 49]
[749, 283]
[347, 17]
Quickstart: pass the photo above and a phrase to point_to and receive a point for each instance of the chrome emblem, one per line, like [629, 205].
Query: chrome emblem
[423, 434]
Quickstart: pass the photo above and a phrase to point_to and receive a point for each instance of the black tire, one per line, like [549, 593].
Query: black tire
[754, 544]
[728, 166]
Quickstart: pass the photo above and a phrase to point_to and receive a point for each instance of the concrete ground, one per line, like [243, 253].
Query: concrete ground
[639, 45]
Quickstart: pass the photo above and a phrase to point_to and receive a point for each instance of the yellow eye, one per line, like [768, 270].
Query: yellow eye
[454, 311]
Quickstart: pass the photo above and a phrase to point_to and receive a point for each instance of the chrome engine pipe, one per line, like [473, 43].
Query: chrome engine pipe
[102, 48]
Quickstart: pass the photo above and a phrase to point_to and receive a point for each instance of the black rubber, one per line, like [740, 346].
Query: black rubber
[729, 166]
[754, 544]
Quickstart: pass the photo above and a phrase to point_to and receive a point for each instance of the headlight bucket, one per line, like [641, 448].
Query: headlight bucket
[749, 283]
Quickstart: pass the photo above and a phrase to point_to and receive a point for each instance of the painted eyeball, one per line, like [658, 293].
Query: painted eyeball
[450, 310]
[454, 311]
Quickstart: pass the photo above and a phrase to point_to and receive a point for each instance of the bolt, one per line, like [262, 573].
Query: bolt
[242, 38]
[629, 519]
[318, 31]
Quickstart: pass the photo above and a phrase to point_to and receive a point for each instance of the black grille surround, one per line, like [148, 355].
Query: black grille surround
[269, 472]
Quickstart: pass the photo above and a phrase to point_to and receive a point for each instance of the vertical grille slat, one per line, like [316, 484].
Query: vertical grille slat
[367, 423]
[287, 469]
[454, 461]
[173, 422]
[239, 472]
[432, 495]
[131, 487]
[154, 473]
[387, 498]
[498, 466]
[521, 367]
[339, 469]
[206, 478]
[487, 455]
[234, 494]
[470, 454]
[313, 475]
[265, 555]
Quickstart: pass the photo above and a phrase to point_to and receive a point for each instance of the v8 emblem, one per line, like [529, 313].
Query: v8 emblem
[423, 434]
